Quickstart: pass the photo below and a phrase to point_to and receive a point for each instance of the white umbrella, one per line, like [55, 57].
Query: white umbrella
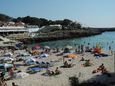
[47, 47]
[69, 47]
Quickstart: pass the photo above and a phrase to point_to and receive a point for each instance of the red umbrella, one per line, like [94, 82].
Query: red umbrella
[36, 47]
[97, 50]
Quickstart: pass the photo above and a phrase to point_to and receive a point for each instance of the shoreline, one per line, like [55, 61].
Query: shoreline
[60, 35]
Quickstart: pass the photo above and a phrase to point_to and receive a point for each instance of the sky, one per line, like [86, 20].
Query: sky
[90, 13]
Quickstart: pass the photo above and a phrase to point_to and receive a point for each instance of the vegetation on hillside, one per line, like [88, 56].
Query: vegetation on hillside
[66, 23]
[5, 18]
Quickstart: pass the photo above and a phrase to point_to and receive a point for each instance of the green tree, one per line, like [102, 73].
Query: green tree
[5, 18]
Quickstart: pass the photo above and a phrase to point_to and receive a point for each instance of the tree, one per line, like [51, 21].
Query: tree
[66, 22]
[75, 25]
[43, 22]
[31, 20]
[4, 18]
[17, 19]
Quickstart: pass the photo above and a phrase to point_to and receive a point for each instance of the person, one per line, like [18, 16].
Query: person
[76, 50]
[57, 71]
[102, 68]
[66, 64]
[11, 72]
[57, 50]
[87, 63]
[48, 72]
[14, 66]
[79, 47]
[13, 84]
[52, 73]
[2, 82]
[2, 74]
[82, 59]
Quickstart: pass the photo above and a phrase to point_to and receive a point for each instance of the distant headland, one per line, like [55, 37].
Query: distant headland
[53, 29]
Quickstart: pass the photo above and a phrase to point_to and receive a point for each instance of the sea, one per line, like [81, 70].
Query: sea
[105, 40]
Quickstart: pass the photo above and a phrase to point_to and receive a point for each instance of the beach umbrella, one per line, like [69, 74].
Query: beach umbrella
[97, 50]
[71, 55]
[36, 47]
[69, 47]
[46, 47]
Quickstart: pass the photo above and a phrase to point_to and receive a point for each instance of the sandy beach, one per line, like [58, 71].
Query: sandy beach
[57, 43]
[84, 73]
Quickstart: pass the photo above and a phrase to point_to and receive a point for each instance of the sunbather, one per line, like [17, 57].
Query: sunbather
[87, 63]
[66, 64]
[13, 84]
[48, 72]
[51, 73]
[2, 74]
[102, 68]
[57, 71]
[82, 59]
[2, 82]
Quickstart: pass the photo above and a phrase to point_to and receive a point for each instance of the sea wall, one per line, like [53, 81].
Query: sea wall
[62, 35]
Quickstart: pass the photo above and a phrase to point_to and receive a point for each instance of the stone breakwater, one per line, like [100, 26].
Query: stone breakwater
[59, 35]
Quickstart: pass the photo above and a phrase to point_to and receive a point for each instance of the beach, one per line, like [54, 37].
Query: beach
[57, 43]
[83, 73]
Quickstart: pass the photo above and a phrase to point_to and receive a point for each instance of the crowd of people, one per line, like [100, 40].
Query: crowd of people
[81, 49]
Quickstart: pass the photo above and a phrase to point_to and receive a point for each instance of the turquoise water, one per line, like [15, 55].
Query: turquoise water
[105, 39]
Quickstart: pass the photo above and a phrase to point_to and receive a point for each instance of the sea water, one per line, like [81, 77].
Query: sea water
[105, 40]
